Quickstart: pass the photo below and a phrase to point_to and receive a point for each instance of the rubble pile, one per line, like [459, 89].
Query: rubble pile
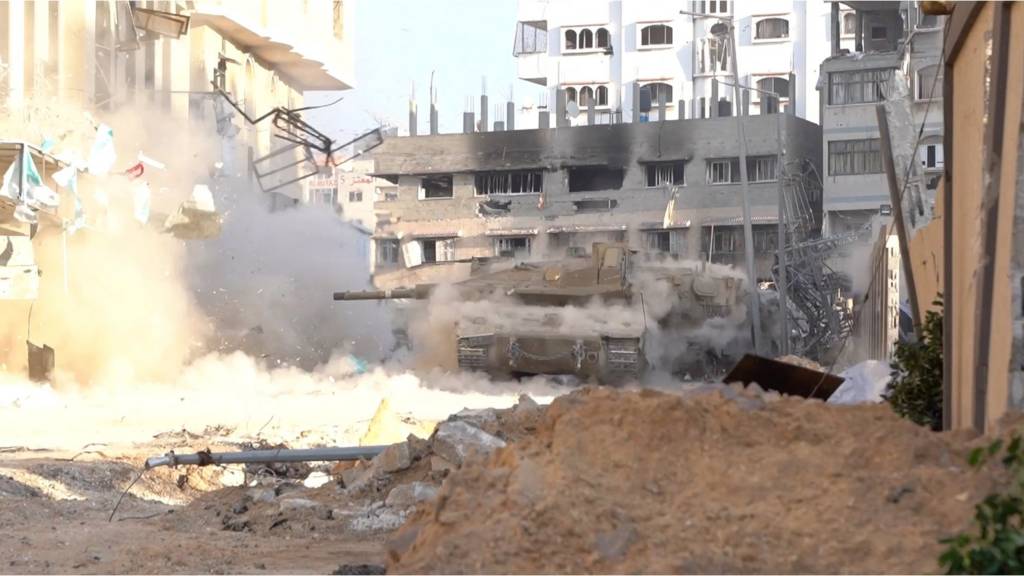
[715, 480]
[367, 498]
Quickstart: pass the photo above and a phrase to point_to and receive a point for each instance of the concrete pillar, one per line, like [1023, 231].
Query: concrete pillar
[681, 107]
[834, 26]
[483, 112]
[636, 101]
[792, 93]
[433, 118]
[662, 106]
[412, 119]
[560, 119]
[745, 109]
[544, 119]
[499, 126]
[468, 121]
[858, 35]
[510, 115]
[591, 112]
[714, 98]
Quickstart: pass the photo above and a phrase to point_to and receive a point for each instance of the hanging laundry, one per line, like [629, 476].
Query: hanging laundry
[670, 209]
[102, 156]
[540, 201]
[23, 213]
[36, 192]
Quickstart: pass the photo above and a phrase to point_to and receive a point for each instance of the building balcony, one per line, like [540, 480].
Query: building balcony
[533, 68]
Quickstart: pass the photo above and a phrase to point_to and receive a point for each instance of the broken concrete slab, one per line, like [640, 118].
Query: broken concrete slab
[455, 441]
[439, 464]
[394, 458]
[291, 504]
[407, 495]
[485, 419]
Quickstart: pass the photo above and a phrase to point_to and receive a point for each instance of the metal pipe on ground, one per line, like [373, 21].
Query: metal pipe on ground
[205, 458]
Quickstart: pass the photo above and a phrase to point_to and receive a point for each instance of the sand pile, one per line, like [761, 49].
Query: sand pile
[627, 481]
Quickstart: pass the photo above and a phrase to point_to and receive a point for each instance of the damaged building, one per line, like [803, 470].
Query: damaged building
[670, 189]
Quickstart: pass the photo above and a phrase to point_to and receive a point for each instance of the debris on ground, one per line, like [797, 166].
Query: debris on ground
[863, 383]
[644, 481]
[802, 362]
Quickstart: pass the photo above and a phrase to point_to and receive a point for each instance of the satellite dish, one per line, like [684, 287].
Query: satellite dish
[572, 109]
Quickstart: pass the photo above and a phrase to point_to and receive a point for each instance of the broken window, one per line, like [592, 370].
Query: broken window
[761, 168]
[586, 39]
[570, 39]
[929, 82]
[723, 171]
[772, 29]
[532, 38]
[658, 89]
[849, 24]
[603, 38]
[595, 178]
[516, 182]
[436, 187]
[512, 247]
[656, 35]
[666, 174]
[722, 240]
[355, 196]
[596, 205]
[438, 249]
[159, 23]
[858, 87]
[387, 251]
[847, 157]
[659, 241]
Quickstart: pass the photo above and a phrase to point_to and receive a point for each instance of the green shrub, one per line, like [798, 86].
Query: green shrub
[998, 545]
[915, 390]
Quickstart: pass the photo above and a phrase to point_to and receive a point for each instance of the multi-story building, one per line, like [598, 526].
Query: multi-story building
[667, 187]
[96, 55]
[893, 54]
[350, 189]
[613, 52]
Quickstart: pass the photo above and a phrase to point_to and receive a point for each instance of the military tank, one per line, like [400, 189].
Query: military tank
[580, 316]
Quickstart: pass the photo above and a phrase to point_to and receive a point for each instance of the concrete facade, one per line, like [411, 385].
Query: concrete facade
[775, 39]
[350, 189]
[575, 186]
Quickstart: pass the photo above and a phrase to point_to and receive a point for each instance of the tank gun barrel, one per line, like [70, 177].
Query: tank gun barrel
[420, 292]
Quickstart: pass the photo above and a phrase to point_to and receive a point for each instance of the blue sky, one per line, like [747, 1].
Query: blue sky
[398, 42]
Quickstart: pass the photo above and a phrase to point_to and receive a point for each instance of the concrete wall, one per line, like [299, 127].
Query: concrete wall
[543, 217]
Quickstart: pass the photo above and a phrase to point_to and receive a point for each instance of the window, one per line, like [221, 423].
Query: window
[387, 251]
[761, 168]
[586, 39]
[772, 29]
[436, 187]
[714, 7]
[518, 246]
[659, 241]
[928, 20]
[666, 174]
[438, 250]
[779, 86]
[509, 183]
[603, 38]
[725, 240]
[931, 156]
[595, 178]
[723, 171]
[602, 95]
[849, 24]
[929, 82]
[598, 205]
[355, 196]
[858, 87]
[656, 35]
[766, 239]
[847, 157]
[879, 33]
[570, 39]
[657, 90]
[586, 96]
[531, 38]
[387, 194]
[570, 95]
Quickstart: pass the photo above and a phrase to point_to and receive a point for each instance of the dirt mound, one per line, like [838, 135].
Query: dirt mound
[626, 482]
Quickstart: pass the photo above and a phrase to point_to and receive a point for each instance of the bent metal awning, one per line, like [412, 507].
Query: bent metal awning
[292, 65]
[512, 232]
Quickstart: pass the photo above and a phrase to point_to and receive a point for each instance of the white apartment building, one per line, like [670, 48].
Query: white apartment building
[610, 50]
[350, 189]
